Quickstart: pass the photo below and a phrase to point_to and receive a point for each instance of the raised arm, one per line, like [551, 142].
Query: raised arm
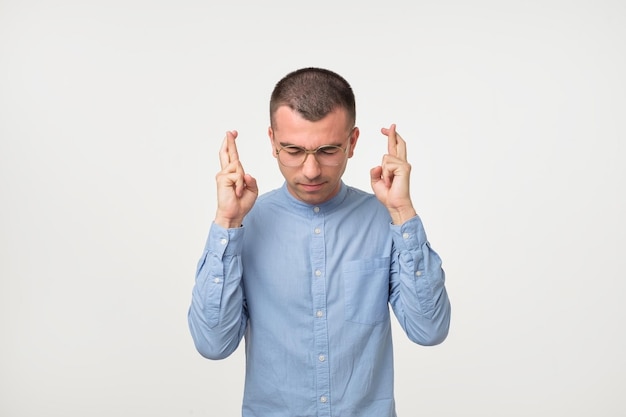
[217, 315]
[417, 281]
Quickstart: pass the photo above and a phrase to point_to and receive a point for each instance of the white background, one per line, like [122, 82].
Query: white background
[111, 115]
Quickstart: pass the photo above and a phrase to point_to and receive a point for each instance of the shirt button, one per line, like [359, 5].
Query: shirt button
[405, 235]
[322, 358]
[323, 399]
[216, 280]
[223, 241]
[318, 273]
[316, 209]
[319, 313]
[418, 273]
[317, 230]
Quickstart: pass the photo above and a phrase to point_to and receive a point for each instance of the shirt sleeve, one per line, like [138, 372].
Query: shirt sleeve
[217, 316]
[417, 285]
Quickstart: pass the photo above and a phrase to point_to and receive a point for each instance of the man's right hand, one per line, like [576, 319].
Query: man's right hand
[236, 190]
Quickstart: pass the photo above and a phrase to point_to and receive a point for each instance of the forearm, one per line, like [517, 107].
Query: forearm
[418, 295]
[217, 316]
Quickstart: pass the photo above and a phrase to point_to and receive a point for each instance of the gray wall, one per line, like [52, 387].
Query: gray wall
[111, 116]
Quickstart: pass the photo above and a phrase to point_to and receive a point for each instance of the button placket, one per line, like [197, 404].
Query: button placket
[318, 287]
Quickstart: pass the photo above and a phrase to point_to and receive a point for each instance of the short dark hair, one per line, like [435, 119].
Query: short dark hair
[313, 93]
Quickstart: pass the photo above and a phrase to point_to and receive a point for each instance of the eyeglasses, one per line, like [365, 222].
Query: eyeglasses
[327, 155]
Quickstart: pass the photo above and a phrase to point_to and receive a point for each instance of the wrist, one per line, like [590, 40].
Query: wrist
[227, 223]
[399, 216]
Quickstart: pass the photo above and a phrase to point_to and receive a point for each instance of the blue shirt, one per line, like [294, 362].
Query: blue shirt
[309, 287]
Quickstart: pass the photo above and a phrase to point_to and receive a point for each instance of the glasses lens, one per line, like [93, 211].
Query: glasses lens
[329, 155]
[291, 156]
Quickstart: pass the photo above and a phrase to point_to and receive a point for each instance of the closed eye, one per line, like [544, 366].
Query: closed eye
[329, 150]
[293, 150]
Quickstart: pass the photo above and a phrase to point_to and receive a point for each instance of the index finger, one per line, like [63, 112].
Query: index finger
[400, 147]
[228, 151]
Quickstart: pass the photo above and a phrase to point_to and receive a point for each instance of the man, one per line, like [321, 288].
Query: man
[306, 273]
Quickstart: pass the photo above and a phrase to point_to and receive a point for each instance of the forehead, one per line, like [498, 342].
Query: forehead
[291, 128]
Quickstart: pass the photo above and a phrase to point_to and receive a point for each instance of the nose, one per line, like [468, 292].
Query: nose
[311, 168]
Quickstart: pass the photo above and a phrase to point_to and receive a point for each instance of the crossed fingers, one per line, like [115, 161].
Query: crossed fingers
[228, 151]
[229, 162]
[396, 146]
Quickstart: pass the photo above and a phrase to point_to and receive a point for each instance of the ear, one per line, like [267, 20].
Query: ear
[270, 133]
[354, 137]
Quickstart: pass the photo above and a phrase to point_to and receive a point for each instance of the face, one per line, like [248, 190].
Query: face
[312, 182]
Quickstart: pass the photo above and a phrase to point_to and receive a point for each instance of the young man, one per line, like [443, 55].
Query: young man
[306, 273]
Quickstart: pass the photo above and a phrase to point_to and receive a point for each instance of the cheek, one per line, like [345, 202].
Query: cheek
[287, 173]
[334, 172]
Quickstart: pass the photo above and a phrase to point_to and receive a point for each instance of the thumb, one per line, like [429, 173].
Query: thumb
[251, 184]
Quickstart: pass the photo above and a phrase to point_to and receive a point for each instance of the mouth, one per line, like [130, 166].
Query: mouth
[312, 187]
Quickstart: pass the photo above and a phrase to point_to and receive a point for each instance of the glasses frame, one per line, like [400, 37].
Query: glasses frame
[313, 152]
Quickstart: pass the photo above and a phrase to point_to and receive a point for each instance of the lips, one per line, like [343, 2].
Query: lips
[311, 187]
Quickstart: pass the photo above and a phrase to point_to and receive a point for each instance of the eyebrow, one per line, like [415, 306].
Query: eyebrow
[301, 147]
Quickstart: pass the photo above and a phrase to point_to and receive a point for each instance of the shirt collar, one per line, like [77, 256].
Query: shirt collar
[326, 206]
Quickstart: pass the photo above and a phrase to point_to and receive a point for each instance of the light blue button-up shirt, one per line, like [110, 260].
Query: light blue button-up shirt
[309, 287]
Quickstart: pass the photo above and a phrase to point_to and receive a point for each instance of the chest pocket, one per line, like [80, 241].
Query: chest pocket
[366, 290]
